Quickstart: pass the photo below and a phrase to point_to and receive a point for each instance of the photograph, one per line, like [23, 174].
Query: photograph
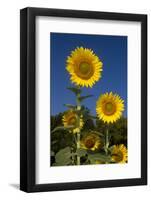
[88, 99]
[83, 119]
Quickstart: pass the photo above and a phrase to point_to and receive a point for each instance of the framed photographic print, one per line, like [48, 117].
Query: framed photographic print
[83, 95]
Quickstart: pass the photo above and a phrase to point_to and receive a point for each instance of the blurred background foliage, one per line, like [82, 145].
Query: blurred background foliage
[63, 139]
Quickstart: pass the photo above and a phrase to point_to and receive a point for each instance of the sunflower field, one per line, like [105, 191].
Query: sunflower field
[78, 137]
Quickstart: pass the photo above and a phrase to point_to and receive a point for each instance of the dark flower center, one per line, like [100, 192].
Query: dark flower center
[72, 121]
[89, 143]
[84, 70]
[109, 108]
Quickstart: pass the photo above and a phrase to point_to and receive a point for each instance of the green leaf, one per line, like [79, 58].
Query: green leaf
[63, 157]
[84, 97]
[70, 106]
[99, 157]
[81, 152]
[75, 90]
[61, 128]
[98, 133]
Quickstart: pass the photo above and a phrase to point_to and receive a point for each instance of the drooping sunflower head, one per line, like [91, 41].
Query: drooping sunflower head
[84, 67]
[109, 107]
[119, 153]
[91, 141]
[70, 118]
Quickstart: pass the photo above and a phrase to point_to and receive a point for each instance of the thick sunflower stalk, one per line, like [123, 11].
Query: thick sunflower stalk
[78, 133]
[106, 141]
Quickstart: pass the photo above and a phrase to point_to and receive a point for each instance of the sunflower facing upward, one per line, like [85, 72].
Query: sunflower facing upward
[70, 118]
[109, 107]
[84, 67]
[119, 153]
[91, 141]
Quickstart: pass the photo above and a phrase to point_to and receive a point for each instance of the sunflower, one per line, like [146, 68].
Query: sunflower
[91, 141]
[84, 67]
[70, 118]
[119, 153]
[109, 107]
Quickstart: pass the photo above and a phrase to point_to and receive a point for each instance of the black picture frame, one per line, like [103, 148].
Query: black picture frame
[28, 98]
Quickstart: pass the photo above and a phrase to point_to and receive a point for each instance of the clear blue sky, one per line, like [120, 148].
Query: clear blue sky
[112, 50]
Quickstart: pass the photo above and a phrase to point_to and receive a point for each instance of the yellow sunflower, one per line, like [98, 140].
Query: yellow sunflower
[109, 107]
[70, 118]
[91, 141]
[84, 67]
[119, 153]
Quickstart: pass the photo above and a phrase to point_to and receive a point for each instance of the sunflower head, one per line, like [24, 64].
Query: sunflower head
[91, 141]
[70, 118]
[84, 67]
[119, 153]
[109, 107]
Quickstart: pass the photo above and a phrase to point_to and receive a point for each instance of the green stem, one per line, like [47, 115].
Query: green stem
[106, 141]
[78, 102]
[78, 147]
[78, 134]
[72, 156]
